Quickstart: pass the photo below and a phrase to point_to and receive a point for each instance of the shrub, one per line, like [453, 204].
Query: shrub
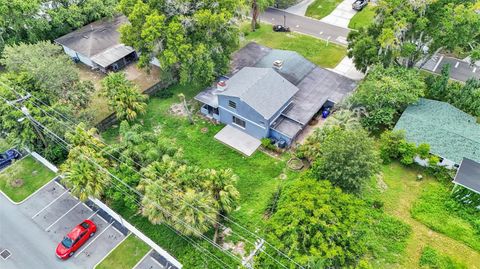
[407, 151]
[390, 144]
[267, 143]
[431, 258]
[423, 150]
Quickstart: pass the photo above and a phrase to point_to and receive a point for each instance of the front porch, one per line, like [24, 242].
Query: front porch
[238, 140]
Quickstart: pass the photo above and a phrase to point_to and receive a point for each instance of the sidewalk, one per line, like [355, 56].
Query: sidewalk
[341, 15]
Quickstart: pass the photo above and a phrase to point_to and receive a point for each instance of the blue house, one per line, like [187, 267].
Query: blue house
[272, 93]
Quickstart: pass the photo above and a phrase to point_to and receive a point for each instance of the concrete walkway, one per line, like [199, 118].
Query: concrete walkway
[238, 140]
[300, 8]
[347, 68]
[341, 15]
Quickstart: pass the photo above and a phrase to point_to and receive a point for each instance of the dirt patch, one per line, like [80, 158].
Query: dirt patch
[178, 110]
[381, 185]
[295, 164]
[16, 183]
[204, 130]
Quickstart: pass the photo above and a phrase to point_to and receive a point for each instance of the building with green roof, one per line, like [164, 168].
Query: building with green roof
[451, 133]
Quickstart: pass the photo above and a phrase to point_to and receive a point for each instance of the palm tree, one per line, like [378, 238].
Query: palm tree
[221, 185]
[82, 174]
[345, 119]
[123, 96]
[257, 7]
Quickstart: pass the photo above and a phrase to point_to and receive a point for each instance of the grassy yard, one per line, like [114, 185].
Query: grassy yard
[31, 175]
[399, 190]
[321, 8]
[314, 49]
[258, 174]
[126, 255]
[431, 258]
[363, 18]
[439, 212]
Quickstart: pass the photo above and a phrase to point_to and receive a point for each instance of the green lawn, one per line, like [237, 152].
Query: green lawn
[126, 255]
[258, 174]
[314, 49]
[321, 8]
[441, 213]
[431, 258]
[399, 190]
[363, 18]
[33, 174]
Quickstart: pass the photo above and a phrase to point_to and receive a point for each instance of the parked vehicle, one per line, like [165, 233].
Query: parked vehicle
[358, 5]
[8, 157]
[75, 239]
[281, 28]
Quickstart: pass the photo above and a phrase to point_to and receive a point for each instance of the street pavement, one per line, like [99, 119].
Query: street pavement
[460, 70]
[306, 25]
[30, 245]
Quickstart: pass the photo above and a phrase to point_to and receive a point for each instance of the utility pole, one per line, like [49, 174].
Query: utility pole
[25, 112]
[248, 261]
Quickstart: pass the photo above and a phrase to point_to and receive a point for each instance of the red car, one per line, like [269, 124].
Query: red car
[75, 239]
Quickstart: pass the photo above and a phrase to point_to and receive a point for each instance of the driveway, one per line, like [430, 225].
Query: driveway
[341, 15]
[300, 8]
[32, 230]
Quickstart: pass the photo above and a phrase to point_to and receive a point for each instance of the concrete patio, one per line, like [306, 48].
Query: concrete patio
[238, 140]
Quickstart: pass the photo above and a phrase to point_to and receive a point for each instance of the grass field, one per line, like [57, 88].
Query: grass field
[363, 18]
[321, 8]
[315, 50]
[31, 172]
[399, 190]
[439, 212]
[431, 258]
[258, 174]
[126, 255]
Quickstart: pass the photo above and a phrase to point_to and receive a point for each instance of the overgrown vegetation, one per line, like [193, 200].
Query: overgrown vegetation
[465, 97]
[440, 212]
[431, 258]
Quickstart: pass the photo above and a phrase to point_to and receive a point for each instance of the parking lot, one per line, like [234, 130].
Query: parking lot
[51, 213]
[152, 260]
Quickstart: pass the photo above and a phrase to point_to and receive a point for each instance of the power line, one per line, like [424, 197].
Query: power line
[154, 182]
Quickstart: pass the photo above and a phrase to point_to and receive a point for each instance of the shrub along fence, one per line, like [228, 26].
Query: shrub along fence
[112, 118]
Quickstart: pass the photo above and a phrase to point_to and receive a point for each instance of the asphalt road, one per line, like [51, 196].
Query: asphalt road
[459, 70]
[306, 25]
[31, 247]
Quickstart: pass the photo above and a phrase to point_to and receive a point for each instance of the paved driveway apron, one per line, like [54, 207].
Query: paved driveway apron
[54, 212]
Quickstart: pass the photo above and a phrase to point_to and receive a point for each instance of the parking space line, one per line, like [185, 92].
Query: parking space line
[438, 63]
[49, 204]
[93, 240]
[59, 184]
[117, 230]
[474, 69]
[91, 216]
[143, 258]
[62, 216]
[88, 207]
[154, 260]
[456, 65]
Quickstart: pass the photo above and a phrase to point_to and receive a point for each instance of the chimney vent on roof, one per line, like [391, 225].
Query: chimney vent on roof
[221, 85]
[278, 64]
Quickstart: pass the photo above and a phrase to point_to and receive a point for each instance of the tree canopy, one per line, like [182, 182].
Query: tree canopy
[405, 32]
[317, 223]
[385, 93]
[193, 38]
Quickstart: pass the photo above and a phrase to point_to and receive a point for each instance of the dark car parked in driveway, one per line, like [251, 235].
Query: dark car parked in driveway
[8, 157]
[359, 4]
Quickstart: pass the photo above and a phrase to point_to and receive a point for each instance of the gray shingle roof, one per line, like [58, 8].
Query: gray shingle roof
[451, 133]
[96, 37]
[468, 175]
[261, 88]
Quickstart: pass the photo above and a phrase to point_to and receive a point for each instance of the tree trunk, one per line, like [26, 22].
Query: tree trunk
[255, 12]
[217, 229]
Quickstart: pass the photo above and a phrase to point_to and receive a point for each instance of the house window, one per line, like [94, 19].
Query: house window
[232, 104]
[238, 122]
[215, 110]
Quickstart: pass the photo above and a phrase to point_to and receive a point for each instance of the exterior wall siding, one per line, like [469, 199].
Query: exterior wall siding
[82, 58]
[251, 128]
